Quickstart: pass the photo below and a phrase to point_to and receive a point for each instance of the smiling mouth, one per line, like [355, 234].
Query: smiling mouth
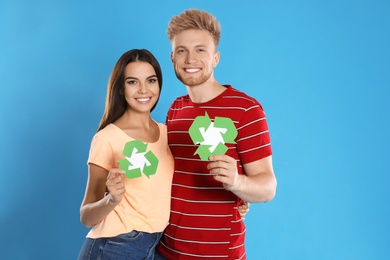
[143, 99]
[192, 70]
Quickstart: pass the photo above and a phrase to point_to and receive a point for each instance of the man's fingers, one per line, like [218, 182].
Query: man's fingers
[222, 161]
[222, 158]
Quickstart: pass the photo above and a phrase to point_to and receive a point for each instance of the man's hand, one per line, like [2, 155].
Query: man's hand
[258, 184]
[224, 169]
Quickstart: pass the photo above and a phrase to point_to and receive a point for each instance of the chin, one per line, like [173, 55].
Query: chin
[191, 82]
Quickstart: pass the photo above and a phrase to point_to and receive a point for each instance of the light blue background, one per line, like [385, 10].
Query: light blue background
[321, 69]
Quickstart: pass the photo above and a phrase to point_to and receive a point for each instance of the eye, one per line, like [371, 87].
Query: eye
[180, 51]
[152, 80]
[131, 82]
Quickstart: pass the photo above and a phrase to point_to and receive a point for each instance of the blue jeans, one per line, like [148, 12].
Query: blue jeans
[134, 245]
[157, 256]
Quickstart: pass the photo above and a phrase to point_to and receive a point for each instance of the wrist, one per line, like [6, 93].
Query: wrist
[236, 187]
[111, 199]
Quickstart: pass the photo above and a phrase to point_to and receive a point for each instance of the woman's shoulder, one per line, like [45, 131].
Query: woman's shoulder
[107, 131]
[162, 126]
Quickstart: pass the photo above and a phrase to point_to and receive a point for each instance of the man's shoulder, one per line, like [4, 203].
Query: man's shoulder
[180, 100]
[240, 97]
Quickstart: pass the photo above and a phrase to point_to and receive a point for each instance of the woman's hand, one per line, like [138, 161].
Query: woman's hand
[116, 185]
[244, 209]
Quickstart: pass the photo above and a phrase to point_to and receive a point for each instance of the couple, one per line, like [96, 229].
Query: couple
[189, 208]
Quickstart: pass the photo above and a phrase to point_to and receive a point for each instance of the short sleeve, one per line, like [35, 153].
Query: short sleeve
[253, 142]
[101, 153]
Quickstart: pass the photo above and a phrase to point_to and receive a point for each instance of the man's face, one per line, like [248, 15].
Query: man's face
[194, 57]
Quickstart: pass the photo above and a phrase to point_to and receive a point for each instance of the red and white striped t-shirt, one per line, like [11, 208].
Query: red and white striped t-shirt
[204, 220]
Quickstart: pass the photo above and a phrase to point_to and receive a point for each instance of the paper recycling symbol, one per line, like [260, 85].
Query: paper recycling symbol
[137, 160]
[212, 136]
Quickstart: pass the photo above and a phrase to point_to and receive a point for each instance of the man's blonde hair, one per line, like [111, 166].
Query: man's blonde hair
[197, 20]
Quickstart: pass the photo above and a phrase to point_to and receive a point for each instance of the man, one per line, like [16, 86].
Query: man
[204, 220]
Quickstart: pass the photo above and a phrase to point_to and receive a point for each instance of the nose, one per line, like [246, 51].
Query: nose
[190, 57]
[142, 89]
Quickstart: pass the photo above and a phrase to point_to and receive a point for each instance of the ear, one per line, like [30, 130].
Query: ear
[216, 58]
[172, 57]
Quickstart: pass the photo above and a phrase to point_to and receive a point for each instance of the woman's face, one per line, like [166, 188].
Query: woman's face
[141, 86]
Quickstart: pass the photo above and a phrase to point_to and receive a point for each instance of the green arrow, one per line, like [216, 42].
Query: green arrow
[219, 122]
[134, 173]
[124, 165]
[152, 168]
[200, 121]
[231, 133]
[140, 147]
[204, 152]
[220, 149]
[129, 146]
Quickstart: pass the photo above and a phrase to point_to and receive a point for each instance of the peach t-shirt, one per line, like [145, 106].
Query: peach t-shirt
[146, 203]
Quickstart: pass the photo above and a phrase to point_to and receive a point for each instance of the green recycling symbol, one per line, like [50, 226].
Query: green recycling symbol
[137, 160]
[212, 136]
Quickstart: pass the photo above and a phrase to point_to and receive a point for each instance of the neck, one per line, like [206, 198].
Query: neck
[139, 126]
[205, 92]
[134, 120]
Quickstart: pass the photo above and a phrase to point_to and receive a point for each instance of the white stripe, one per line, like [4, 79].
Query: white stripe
[206, 174]
[252, 136]
[204, 201]
[234, 247]
[201, 215]
[181, 119]
[252, 122]
[198, 242]
[252, 107]
[183, 145]
[193, 228]
[241, 256]
[236, 221]
[224, 108]
[187, 159]
[176, 109]
[259, 147]
[240, 97]
[177, 132]
[191, 119]
[239, 234]
[199, 188]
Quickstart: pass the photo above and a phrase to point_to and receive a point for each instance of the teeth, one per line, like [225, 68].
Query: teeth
[143, 99]
[192, 70]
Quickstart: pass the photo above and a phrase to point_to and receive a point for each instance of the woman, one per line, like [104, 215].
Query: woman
[127, 215]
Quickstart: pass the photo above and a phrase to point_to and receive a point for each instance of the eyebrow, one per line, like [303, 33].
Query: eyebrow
[196, 46]
[151, 76]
